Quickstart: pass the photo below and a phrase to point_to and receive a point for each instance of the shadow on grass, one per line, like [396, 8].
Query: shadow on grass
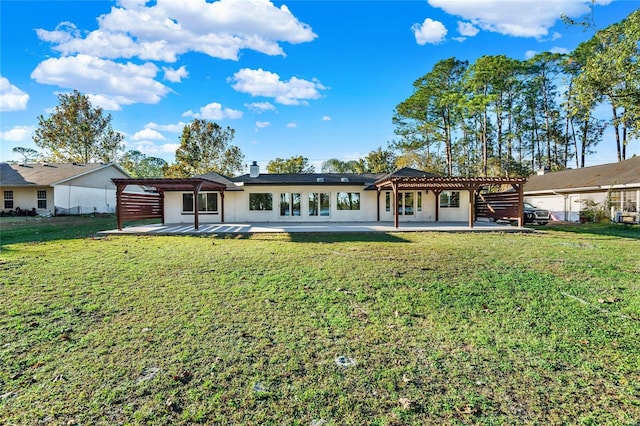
[315, 237]
[41, 229]
[601, 229]
[345, 237]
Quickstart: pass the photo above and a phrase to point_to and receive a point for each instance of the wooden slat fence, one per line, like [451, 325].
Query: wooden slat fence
[136, 206]
[499, 205]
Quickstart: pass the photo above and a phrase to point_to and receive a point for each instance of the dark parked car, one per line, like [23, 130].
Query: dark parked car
[533, 214]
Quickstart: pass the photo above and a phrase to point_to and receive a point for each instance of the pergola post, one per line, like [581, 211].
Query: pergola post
[520, 205]
[396, 216]
[437, 192]
[472, 204]
[119, 189]
[196, 205]
[161, 193]
[222, 206]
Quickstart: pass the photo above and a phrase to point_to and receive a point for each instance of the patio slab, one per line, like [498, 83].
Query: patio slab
[306, 227]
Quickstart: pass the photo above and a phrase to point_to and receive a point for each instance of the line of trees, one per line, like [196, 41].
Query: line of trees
[501, 116]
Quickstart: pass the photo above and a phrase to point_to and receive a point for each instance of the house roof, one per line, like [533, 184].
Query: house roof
[42, 174]
[217, 177]
[604, 176]
[309, 179]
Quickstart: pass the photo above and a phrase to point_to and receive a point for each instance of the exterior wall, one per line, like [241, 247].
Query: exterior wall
[70, 199]
[456, 214]
[366, 213]
[236, 206]
[27, 198]
[556, 204]
[173, 210]
[92, 192]
[567, 207]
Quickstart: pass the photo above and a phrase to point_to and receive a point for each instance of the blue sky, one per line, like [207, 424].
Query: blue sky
[314, 78]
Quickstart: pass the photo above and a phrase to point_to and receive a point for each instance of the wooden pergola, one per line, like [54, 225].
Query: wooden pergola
[439, 184]
[135, 206]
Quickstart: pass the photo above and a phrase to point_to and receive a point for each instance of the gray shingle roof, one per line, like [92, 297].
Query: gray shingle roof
[309, 179]
[36, 174]
[624, 172]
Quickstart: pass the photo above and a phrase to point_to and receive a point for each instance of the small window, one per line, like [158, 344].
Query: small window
[42, 199]
[450, 199]
[387, 201]
[348, 201]
[8, 199]
[260, 201]
[419, 202]
[207, 202]
[319, 204]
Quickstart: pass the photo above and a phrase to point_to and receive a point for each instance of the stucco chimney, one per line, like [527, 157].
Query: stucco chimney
[254, 170]
[543, 171]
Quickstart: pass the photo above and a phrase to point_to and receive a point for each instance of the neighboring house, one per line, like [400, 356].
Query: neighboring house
[415, 195]
[614, 187]
[59, 188]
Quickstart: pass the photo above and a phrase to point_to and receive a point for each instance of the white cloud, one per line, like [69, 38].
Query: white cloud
[429, 31]
[173, 128]
[262, 124]
[326, 118]
[150, 148]
[467, 29]
[175, 76]
[530, 54]
[561, 50]
[292, 125]
[264, 83]
[11, 98]
[112, 83]
[524, 18]
[214, 111]
[260, 107]
[147, 134]
[165, 29]
[18, 134]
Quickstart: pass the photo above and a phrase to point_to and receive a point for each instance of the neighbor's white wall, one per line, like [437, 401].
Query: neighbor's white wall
[556, 204]
[27, 198]
[566, 209]
[70, 197]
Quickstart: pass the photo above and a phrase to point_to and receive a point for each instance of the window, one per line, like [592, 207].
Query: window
[42, 199]
[450, 199]
[387, 201]
[405, 203]
[290, 204]
[8, 199]
[348, 201]
[319, 204]
[207, 202]
[260, 201]
[419, 207]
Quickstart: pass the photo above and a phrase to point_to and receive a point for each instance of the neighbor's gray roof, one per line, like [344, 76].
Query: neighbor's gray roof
[621, 173]
[37, 174]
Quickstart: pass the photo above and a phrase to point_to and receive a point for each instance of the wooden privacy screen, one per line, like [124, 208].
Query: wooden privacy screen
[135, 206]
[500, 205]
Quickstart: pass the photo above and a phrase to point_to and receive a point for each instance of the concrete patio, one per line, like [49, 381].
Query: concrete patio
[302, 227]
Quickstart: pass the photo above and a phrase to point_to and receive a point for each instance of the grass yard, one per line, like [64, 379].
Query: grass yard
[338, 329]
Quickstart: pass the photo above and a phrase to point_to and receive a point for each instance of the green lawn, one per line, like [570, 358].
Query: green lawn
[337, 329]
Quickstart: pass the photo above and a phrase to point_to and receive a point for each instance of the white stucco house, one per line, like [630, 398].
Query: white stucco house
[614, 186]
[52, 189]
[407, 195]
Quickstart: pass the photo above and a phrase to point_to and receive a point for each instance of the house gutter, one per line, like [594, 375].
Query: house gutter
[584, 189]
